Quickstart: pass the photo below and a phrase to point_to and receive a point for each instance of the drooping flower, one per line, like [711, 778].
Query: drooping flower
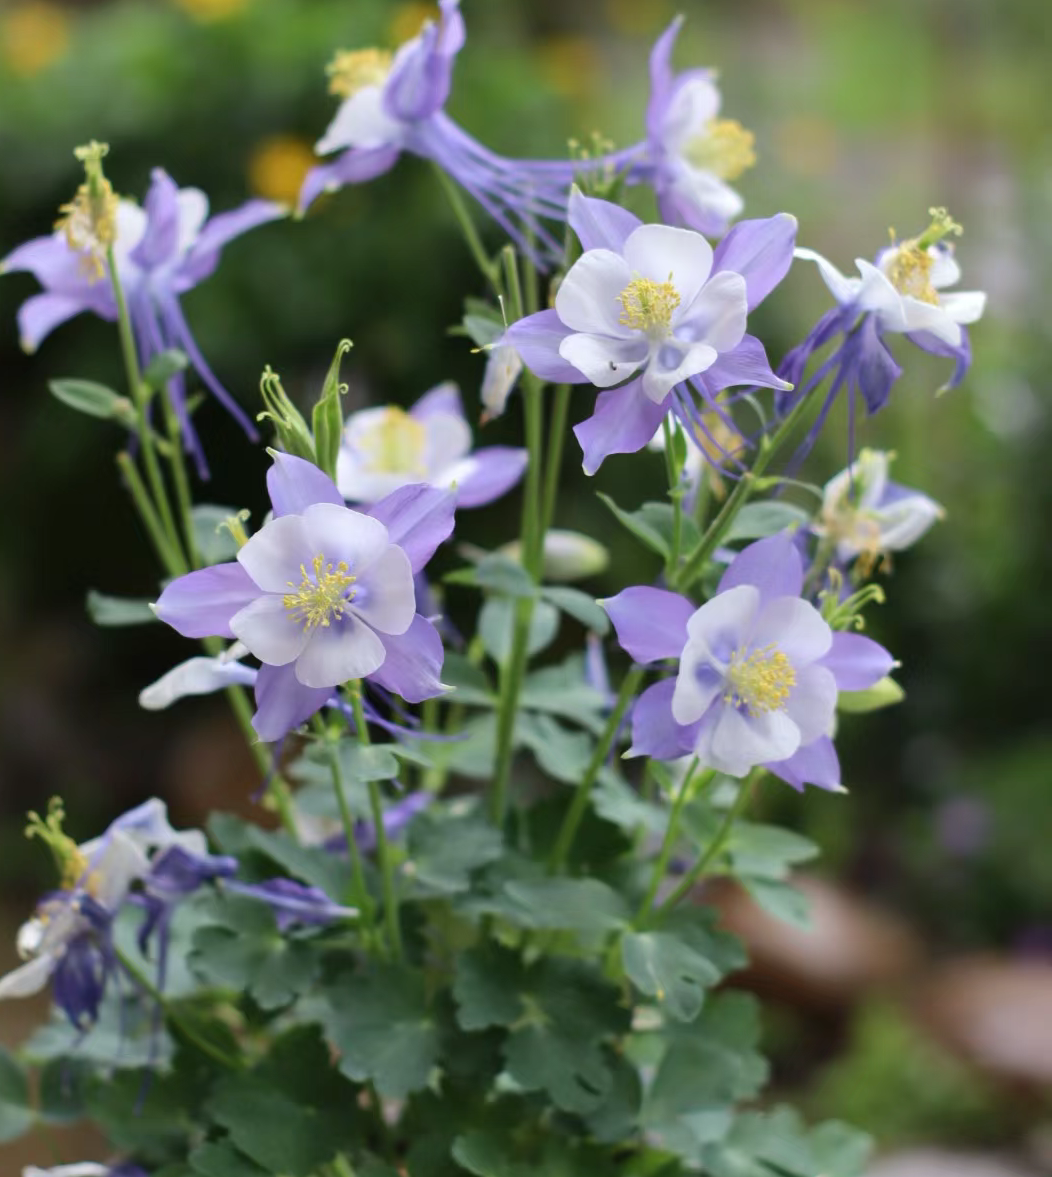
[161, 251]
[294, 903]
[323, 595]
[388, 448]
[394, 104]
[867, 515]
[902, 293]
[759, 670]
[691, 153]
[649, 313]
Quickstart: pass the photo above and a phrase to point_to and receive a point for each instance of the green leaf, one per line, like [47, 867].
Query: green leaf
[885, 693]
[778, 1142]
[16, 1116]
[562, 690]
[487, 986]
[96, 400]
[447, 844]
[222, 1159]
[759, 520]
[483, 330]
[661, 518]
[164, 365]
[62, 1086]
[580, 606]
[663, 966]
[469, 681]
[117, 611]
[371, 762]
[617, 1118]
[638, 526]
[383, 1029]
[781, 900]
[214, 543]
[562, 754]
[617, 802]
[143, 1109]
[766, 851]
[496, 573]
[562, 904]
[497, 624]
[309, 864]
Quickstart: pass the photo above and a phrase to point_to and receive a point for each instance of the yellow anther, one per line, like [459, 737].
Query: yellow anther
[760, 681]
[322, 595]
[909, 264]
[89, 220]
[724, 148]
[353, 70]
[648, 305]
[397, 444]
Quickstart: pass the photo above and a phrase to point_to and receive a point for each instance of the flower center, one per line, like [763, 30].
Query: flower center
[69, 859]
[759, 681]
[89, 220]
[647, 305]
[724, 148]
[322, 595]
[909, 264]
[354, 70]
[396, 444]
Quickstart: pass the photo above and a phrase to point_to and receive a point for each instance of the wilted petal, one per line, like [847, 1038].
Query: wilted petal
[202, 603]
[413, 663]
[650, 623]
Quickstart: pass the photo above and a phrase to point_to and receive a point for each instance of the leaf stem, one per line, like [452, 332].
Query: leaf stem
[360, 896]
[672, 829]
[471, 234]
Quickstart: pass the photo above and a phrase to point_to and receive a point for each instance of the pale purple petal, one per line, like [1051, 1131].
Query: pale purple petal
[773, 565]
[624, 420]
[873, 368]
[422, 73]
[39, 315]
[443, 399]
[385, 598]
[337, 653]
[354, 166]
[718, 314]
[961, 354]
[537, 339]
[269, 630]
[201, 604]
[654, 731]
[661, 78]
[341, 534]
[161, 239]
[813, 764]
[761, 251]
[277, 554]
[283, 702]
[295, 484]
[812, 702]
[486, 474]
[714, 632]
[650, 623]
[598, 223]
[418, 518]
[857, 662]
[734, 742]
[413, 663]
[795, 626]
[203, 256]
[745, 364]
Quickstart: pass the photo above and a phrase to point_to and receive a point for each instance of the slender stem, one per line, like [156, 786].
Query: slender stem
[665, 853]
[554, 457]
[141, 499]
[568, 830]
[533, 525]
[360, 896]
[138, 394]
[715, 847]
[182, 483]
[150, 988]
[737, 499]
[511, 676]
[675, 493]
[467, 227]
[383, 848]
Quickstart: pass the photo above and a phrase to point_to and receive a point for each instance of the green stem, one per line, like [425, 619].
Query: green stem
[568, 830]
[675, 493]
[141, 499]
[206, 1047]
[661, 864]
[471, 235]
[383, 848]
[737, 499]
[715, 847]
[554, 457]
[511, 677]
[360, 896]
[182, 482]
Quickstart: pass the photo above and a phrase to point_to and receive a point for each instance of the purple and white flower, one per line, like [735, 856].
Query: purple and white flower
[759, 670]
[294, 903]
[396, 104]
[690, 152]
[161, 251]
[866, 514]
[85, 1169]
[385, 449]
[323, 595]
[649, 312]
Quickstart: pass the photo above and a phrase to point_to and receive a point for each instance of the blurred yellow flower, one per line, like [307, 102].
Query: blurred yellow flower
[571, 65]
[33, 35]
[630, 18]
[278, 166]
[408, 19]
[209, 10]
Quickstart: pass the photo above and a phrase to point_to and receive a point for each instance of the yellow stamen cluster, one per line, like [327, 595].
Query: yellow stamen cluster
[724, 148]
[70, 861]
[353, 70]
[760, 681]
[316, 600]
[89, 220]
[396, 445]
[910, 265]
[648, 305]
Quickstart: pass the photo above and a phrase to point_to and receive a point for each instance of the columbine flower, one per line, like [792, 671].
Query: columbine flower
[322, 595]
[866, 515]
[395, 103]
[901, 294]
[759, 670]
[85, 1169]
[647, 309]
[161, 251]
[385, 449]
[294, 903]
[691, 152]
[69, 940]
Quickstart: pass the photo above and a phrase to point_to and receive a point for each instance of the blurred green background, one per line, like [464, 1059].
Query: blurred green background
[865, 115]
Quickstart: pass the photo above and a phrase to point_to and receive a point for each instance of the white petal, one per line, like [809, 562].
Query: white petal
[796, 627]
[346, 650]
[589, 297]
[272, 557]
[843, 289]
[29, 978]
[698, 685]
[966, 306]
[385, 595]
[122, 863]
[708, 193]
[714, 632]
[340, 534]
[718, 314]
[673, 363]
[448, 440]
[359, 484]
[944, 271]
[361, 122]
[905, 520]
[812, 702]
[663, 253]
[270, 631]
[876, 293]
[735, 742]
[195, 676]
[604, 360]
[193, 212]
[695, 102]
